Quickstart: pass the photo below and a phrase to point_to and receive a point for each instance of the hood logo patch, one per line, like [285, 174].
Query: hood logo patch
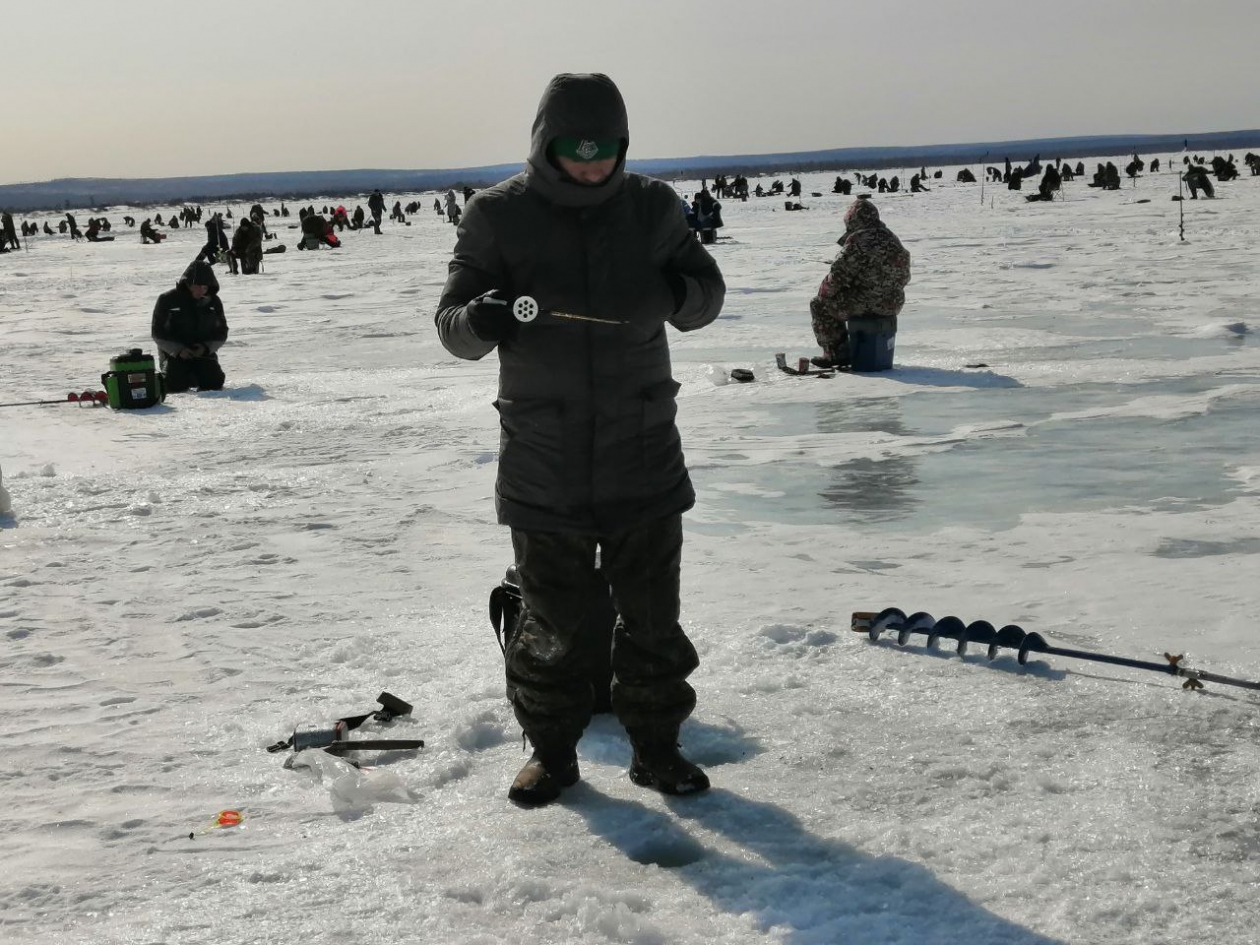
[587, 150]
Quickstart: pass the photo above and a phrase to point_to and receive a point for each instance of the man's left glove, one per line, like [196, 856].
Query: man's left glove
[490, 316]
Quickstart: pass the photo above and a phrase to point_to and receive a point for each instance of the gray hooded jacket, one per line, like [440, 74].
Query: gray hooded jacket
[588, 440]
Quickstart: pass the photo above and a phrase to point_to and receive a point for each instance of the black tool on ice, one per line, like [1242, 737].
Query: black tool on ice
[780, 361]
[1012, 637]
[333, 740]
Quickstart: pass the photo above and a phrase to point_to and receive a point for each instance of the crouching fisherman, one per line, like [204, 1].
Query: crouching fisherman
[189, 327]
[866, 286]
[317, 230]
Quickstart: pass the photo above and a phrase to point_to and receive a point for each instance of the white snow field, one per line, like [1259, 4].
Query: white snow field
[181, 586]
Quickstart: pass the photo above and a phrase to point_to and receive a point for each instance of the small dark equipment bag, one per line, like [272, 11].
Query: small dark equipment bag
[507, 612]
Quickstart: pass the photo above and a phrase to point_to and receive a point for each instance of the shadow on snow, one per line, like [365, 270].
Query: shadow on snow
[818, 891]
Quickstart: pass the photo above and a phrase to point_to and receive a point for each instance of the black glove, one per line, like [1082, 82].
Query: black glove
[490, 316]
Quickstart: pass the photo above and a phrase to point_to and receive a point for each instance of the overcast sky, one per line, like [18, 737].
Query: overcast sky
[154, 88]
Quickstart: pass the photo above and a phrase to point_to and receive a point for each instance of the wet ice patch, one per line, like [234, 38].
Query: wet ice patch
[1223, 330]
[1248, 476]
[1192, 548]
[748, 489]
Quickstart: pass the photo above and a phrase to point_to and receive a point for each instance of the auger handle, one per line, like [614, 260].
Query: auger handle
[1016, 638]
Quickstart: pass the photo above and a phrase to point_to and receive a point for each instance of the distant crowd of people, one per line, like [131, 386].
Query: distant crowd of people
[703, 210]
[1106, 176]
[241, 250]
[866, 280]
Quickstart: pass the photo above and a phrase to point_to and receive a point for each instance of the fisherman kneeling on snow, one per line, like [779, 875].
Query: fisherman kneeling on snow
[316, 230]
[189, 327]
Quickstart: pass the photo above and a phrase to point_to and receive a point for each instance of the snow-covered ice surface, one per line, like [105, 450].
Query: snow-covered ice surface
[179, 587]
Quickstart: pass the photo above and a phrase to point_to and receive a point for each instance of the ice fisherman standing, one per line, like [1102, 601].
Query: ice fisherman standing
[216, 239]
[452, 207]
[590, 455]
[376, 206]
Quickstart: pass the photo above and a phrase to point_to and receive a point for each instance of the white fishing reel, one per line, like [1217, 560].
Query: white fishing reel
[525, 308]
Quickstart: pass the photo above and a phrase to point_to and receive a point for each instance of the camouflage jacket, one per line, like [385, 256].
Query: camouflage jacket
[869, 276]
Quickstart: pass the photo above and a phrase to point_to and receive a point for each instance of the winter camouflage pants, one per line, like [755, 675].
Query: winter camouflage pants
[652, 657]
[829, 331]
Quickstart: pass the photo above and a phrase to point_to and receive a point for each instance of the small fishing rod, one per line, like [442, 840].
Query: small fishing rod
[1013, 637]
[525, 309]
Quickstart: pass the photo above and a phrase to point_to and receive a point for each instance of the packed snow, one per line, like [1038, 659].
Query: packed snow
[182, 586]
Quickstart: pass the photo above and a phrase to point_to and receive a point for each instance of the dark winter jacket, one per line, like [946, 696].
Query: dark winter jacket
[180, 321]
[588, 440]
[247, 239]
[315, 224]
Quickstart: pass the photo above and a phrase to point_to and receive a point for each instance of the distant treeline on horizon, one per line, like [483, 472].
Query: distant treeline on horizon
[102, 192]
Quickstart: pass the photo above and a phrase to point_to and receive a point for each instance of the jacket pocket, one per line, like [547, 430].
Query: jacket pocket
[660, 404]
[533, 465]
[660, 447]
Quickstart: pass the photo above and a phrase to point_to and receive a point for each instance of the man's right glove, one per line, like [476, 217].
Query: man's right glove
[490, 316]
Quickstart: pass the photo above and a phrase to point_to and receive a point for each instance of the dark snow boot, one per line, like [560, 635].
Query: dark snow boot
[837, 358]
[543, 777]
[660, 766]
